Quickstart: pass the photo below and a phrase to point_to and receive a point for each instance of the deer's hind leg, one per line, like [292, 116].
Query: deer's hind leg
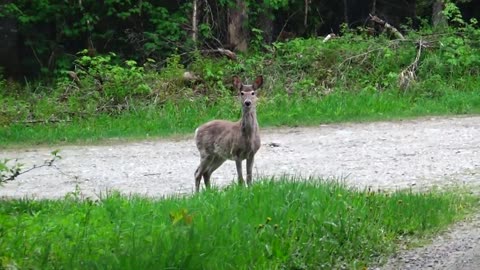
[202, 168]
[205, 169]
[212, 166]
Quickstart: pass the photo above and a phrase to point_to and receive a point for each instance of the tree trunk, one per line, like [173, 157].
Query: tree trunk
[345, 12]
[265, 23]
[237, 32]
[10, 65]
[195, 21]
[305, 18]
[438, 19]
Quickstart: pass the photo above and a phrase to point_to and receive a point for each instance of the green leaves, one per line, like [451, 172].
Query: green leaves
[452, 12]
[181, 216]
[9, 172]
[276, 4]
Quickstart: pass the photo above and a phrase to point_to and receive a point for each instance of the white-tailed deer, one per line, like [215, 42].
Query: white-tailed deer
[219, 140]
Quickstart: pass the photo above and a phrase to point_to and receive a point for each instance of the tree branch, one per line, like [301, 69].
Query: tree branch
[394, 30]
[16, 170]
[409, 74]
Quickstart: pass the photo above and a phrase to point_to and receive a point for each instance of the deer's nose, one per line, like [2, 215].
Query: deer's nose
[248, 103]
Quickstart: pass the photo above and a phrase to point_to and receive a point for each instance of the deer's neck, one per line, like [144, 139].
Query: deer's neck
[248, 123]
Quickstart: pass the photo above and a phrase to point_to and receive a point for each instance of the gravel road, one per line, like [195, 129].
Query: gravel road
[417, 153]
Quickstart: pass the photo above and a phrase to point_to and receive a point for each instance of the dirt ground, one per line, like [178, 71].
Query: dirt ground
[419, 154]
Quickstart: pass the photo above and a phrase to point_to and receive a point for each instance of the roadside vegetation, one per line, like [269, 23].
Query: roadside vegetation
[281, 224]
[352, 77]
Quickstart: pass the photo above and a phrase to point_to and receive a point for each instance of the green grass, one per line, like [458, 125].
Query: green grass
[281, 110]
[273, 225]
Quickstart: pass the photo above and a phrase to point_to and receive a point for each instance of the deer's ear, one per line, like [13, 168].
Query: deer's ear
[237, 83]
[258, 82]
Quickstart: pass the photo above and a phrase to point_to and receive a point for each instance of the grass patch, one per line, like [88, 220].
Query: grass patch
[182, 117]
[273, 225]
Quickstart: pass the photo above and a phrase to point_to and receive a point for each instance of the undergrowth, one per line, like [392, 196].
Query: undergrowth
[281, 224]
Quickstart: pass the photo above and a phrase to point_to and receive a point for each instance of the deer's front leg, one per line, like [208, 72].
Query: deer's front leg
[238, 163]
[249, 170]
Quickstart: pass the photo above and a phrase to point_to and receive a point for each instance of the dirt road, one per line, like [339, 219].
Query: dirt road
[388, 155]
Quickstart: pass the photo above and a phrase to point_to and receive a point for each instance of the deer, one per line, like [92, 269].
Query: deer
[219, 140]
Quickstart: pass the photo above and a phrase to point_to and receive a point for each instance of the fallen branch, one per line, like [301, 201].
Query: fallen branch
[365, 54]
[409, 74]
[11, 173]
[41, 121]
[231, 55]
[394, 30]
[392, 43]
[75, 78]
[329, 36]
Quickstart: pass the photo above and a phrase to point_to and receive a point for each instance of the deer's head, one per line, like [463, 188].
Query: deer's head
[248, 92]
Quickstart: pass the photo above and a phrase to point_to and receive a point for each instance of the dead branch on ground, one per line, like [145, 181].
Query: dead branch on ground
[42, 121]
[10, 173]
[329, 36]
[409, 74]
[229, 54]
[385, 24]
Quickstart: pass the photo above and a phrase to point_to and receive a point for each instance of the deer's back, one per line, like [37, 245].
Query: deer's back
[225, 139]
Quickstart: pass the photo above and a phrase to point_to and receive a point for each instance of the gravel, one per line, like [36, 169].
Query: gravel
[418, 154]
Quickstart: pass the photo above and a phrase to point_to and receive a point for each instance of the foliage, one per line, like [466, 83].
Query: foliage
[114, 81]
[9, 172]
[140, 29]
[53, 31]
[303, 225]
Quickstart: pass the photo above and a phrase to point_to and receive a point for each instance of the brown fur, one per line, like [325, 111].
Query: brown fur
[219, 140]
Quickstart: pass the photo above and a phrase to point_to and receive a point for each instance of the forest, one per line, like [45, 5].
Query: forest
[42, 36]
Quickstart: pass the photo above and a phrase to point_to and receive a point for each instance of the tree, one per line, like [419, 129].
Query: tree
[438, 18]
[237, 22]
[9, 48]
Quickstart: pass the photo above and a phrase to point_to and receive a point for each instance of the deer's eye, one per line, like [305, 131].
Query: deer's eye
[241, 93]
[253, 93]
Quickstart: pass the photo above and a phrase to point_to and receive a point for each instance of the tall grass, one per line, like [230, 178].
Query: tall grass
[182, 117]
[273, 225]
